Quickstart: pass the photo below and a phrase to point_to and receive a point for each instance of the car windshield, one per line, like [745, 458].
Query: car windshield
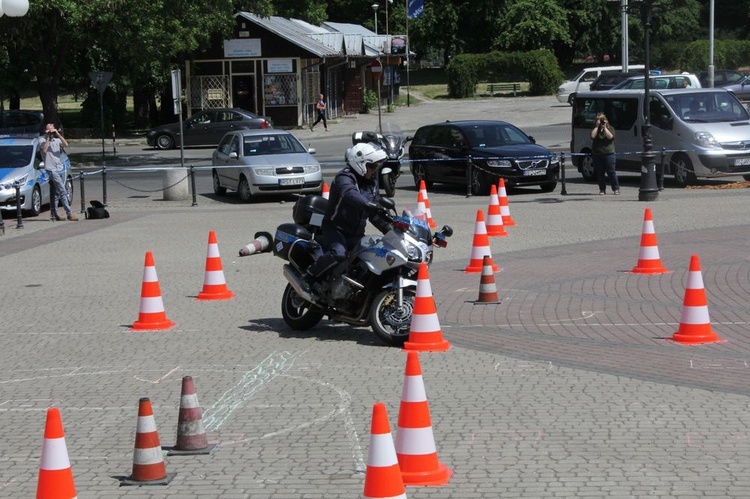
[707, 107]
[15, 156]
[255, 145]
[495, 135]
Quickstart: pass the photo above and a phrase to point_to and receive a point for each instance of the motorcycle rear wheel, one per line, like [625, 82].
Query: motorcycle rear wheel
[389, 322]
[298, 313]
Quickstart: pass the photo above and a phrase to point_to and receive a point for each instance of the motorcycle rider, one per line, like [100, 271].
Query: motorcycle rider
[353, 198]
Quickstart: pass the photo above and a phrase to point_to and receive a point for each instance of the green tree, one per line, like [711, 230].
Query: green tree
[531, 25]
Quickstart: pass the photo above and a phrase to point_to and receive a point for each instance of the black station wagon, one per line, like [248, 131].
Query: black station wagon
[443, 152]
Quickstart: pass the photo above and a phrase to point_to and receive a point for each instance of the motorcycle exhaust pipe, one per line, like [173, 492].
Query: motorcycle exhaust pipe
[293, 277]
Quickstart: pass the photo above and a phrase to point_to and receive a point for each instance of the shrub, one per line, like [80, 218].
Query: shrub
[369, 101]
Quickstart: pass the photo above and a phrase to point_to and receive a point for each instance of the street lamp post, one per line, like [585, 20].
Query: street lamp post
[375, 10]
[649, 191]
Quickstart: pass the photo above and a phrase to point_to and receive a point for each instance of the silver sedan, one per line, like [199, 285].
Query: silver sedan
[741, 89]
[262, 162]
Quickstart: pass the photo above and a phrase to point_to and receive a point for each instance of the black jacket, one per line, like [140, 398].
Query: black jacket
[347, 201]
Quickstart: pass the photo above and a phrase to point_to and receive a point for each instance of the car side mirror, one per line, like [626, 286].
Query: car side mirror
[408, 138]
[40, 165]
[312, 150]
[232, 155]
[532, 139]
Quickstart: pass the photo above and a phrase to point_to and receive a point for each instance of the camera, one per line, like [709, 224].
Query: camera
[602, 121]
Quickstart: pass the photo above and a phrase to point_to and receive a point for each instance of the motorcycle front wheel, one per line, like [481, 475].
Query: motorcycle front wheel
[298, 313]
[389, 321]
[388, 183]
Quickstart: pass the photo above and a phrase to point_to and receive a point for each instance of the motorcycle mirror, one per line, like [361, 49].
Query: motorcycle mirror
[408, 138]
[447, 230]
[385, 171]
[388, 203]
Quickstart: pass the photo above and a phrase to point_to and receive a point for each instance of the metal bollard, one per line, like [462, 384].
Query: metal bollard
[563, 189]
[469, 172]
[83, 194]
[19, 216]
[104, 185]
[2, 225]
[660, 174]
[192, 184]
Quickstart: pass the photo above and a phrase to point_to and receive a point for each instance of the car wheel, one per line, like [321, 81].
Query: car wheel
[35, 207]
[548, 186]
[243, 190]
[218, 189]
[746, 177]
[419, 175]
[164, 141]
[571, 99]
[587, 167]
[480, 184]
[682, 169]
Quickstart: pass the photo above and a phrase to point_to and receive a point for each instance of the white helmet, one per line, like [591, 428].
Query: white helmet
[362, 156]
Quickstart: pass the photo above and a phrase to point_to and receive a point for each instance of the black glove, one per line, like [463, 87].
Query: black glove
[373, 207]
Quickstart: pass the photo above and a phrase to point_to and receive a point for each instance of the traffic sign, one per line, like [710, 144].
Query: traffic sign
[376, 66]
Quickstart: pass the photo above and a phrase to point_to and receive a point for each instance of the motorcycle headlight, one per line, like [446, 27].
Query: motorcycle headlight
[499, 163]
[413, 253]
[312, 168]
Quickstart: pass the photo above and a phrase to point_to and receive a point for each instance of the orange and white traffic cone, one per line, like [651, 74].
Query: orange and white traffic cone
[425, 333]
[649, 261]
[421, 209]
[214, 283]
[480, 247]
[695, 324]
[191, 434]
[495, 227]
[151, 315]
[382, 477]
[504, 208]
[55, 474]
[423, 190]
[326, 191]
[487, 288]
[415, 442]
[148, 461]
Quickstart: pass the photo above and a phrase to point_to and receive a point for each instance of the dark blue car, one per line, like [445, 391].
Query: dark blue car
[480, 152]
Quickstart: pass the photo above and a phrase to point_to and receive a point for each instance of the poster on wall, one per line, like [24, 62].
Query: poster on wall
[280, 90]
[279, 66]
[242, 47]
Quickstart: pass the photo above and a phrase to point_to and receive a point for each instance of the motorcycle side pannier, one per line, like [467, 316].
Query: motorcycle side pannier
[307, 207]
[286, 235]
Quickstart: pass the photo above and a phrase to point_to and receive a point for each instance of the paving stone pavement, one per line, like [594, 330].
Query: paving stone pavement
[568, 388]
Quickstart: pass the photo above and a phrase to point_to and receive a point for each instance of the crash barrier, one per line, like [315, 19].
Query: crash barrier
[503, 87]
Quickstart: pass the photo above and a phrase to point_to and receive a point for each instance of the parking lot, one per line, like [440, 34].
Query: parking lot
[567, 388]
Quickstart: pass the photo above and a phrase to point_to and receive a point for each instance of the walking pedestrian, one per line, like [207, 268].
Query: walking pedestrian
[321, 107]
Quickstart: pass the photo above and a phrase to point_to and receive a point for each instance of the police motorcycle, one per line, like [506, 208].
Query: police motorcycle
[393, 141]
[375, 286]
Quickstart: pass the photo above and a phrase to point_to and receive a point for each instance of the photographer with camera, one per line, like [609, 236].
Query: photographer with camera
[603, 154]
[53, 144]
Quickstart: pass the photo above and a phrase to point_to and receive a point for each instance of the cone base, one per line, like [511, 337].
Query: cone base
[509, 223]
[440, 346]
[488, 301]
[222, 295]
[696, 339]
[161, 481]
[649, 270]
[496, 233]
[179, 452]
[439, 476]
[152, 326]
[474, 269]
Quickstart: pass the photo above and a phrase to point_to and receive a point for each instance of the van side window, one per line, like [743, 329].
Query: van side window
[589, 76]
[659, 114]
[622, 113]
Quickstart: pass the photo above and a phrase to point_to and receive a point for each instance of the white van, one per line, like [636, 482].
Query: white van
[568, 90]
[704, 132]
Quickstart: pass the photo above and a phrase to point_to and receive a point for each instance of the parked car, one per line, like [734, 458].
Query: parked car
[722, 77]
[662, 82]
[19, 122]
[607, 81]
[20, 162]
[441, 153]
[741, 89]
[568, 90]
[259, 162]
[205, 128]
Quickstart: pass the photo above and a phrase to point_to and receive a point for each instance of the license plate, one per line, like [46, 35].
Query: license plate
[742, 162]
[292, 181]
[532, 173]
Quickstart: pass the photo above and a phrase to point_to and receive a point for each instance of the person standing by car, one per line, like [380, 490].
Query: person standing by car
[603, 154]
[353, 199]
[321, 107]
[53, 144]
